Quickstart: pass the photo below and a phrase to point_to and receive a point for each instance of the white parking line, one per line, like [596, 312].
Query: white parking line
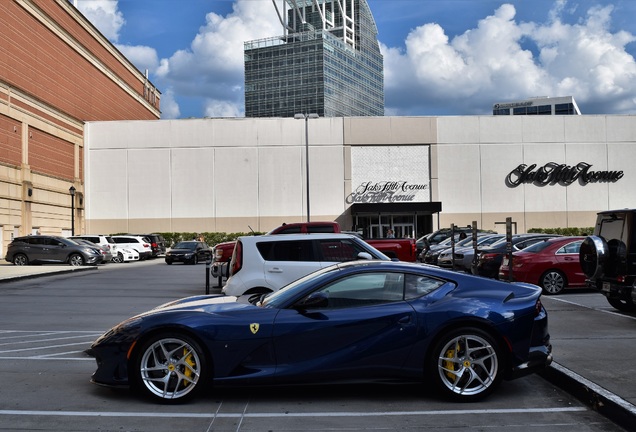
[593, 308]
[288, 414]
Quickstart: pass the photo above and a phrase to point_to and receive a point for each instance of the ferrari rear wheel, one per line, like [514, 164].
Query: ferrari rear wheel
[465, 364]
[169, 368]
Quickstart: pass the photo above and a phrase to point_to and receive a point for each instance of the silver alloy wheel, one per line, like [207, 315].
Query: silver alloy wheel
[553, 282]
[468, 365]
[20, 260]
[170, 368]
[76, 260]
[119, 258]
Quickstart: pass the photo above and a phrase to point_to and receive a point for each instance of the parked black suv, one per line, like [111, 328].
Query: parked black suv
[608, 258]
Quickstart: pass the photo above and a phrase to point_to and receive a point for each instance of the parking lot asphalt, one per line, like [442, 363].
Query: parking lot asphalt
[597, 365]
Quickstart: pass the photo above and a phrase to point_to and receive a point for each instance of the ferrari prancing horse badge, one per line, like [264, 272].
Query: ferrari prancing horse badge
[254, 328]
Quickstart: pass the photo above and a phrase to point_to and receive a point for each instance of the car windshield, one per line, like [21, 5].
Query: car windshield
[185, 245]
[283, 295]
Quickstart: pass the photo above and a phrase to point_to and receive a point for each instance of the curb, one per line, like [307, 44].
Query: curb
[49, 273]
[594, 396]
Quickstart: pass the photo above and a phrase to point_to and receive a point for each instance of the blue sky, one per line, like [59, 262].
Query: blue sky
[441, 57]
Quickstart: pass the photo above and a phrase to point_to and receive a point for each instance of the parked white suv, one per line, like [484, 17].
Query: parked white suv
[105, 242]
[262, 264]
[140, 244]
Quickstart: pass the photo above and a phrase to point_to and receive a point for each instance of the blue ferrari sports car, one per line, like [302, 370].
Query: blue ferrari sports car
[357, 321]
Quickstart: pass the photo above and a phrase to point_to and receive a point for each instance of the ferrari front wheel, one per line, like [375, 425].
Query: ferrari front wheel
[465, 364]
[169, 368]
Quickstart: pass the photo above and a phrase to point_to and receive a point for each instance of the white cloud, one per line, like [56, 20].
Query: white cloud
[169, 106]
[503, 59]
[103, 14]
[222, 108]
[143, 57]
[213, 65]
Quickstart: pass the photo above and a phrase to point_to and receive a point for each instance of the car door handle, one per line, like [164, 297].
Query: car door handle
[405, 320]
[275, 270]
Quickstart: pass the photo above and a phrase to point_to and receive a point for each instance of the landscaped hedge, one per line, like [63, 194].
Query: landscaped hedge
[211, 238]
[564, 231]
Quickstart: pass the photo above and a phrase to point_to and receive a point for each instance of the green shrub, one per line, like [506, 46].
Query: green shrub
[570, 231]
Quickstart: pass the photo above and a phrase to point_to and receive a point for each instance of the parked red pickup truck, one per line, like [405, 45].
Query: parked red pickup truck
[402, 249]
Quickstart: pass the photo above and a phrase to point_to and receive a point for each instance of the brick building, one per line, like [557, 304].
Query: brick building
[57, 71]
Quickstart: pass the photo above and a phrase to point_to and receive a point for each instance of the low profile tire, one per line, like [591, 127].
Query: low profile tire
[553, 282]
[195, 260]
[20, 260]
[622, 305]
[119, 258]
[169, 367]
[168, 262]
[466, 365]
[76, 260]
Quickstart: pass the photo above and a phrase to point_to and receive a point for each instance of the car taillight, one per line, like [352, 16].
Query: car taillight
[146, 245]
[487, 256]
[538, 307]
[218, 254]
[237, 258]
[154, 245]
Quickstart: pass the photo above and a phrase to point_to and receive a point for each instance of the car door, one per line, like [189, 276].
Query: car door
[367, 329]
[53, 250]
[286, 261]
[567, 258]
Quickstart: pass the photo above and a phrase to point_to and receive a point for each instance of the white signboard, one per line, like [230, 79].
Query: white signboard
[389, 174]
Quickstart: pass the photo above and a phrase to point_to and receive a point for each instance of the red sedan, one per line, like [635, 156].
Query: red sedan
[552, 264]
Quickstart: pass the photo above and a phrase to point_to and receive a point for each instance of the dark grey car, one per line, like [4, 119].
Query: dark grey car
[40, 249]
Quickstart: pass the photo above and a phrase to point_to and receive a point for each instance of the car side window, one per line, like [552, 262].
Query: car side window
[364, 290]
[570, 248]
[338, 250]
[417, 285]
[295, 250]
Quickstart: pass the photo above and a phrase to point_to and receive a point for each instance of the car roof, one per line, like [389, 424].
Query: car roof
[288, 237]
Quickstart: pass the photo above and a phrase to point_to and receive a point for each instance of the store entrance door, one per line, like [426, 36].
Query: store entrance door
[404, 230]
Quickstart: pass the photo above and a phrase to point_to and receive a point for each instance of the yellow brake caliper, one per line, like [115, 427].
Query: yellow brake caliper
[189, 360]
[450, 365]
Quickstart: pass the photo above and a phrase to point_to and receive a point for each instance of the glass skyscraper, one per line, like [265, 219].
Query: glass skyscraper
[327, 62]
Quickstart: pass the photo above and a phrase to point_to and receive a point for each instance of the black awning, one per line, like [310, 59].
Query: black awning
[420, 207]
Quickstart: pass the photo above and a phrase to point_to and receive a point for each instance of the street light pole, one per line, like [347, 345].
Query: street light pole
[72, 192]
[306, 117]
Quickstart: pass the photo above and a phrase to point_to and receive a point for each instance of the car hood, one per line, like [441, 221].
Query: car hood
[182, 251]
[204, 303]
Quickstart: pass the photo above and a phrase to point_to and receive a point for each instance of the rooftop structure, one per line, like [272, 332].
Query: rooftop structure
[538, 106]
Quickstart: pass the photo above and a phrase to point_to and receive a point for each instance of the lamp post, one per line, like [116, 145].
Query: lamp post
[306, 117]
[72, 192]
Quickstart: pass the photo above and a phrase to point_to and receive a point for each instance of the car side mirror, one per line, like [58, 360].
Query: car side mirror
[313, 301]
[365, 255]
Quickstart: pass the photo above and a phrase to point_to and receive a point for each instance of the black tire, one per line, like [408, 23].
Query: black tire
[195, 260]
[20, 260]
[622, 305]
[169, 367]
[462, 374]
[553, 282]
[119, 258]
[76, 260]
[168, 262]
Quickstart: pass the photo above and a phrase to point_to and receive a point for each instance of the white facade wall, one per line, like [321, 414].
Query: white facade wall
[231, 174]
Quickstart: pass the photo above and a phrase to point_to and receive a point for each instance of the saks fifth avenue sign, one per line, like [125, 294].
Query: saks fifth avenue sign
[385, 192]
[553, 173]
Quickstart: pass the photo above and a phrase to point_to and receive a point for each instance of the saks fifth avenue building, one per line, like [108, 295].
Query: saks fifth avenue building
[412, 174]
